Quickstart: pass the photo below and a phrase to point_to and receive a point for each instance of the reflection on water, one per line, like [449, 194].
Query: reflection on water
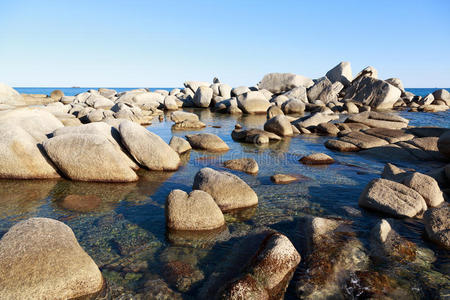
[122, 225]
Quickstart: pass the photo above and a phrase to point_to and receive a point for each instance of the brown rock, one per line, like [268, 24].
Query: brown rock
[247, 165]
[317, 159]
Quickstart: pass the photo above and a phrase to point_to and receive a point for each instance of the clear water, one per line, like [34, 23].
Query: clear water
[125, 230]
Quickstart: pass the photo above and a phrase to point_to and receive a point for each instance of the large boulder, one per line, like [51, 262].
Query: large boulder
[208, 142]
[392, 198]
[324, 90]
[280, 125]
[426, 186]
[21, 155]
[253, 102]
[437, 225]
[40, 258]
[378, 120]
[147, 148]
[229, 191]
[298, 93]
[293, 106]
[196, 211]
[37, 122]
[10, 96]
[203, 96]
[179, 144]
[376, 93]
[317, 159]
[180, 116]
[282, 82]
[89, 157]
[341, 73]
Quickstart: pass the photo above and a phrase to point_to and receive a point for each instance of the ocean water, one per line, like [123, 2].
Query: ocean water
[124, 229]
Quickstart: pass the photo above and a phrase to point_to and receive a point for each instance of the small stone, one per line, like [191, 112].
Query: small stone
[283, 178]
[317, 159]
[247, 165]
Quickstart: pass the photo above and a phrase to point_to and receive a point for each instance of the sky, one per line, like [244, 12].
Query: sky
[164, 43]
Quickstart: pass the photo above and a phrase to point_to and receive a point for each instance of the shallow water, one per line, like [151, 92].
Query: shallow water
[123, 228]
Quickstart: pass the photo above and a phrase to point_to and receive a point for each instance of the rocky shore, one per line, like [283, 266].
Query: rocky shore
[97, 136]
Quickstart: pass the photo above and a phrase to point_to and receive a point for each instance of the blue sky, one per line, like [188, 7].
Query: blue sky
[163, 43]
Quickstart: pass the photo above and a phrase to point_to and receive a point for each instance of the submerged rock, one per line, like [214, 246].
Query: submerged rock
[247, 165]
[196, 211]
[208, 142]
[392, 198]
[268, 273]
[229, 191]
[29, 268]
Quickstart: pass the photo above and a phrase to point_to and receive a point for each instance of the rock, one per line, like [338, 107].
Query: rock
[298, 93]
[237, 91]
[247, 165]
[362, 140]
[170, 103]
[317, 159]
[327, 129]
[229, 191]
[370, 91]
[351, 108]
[333, 254]
[196, 211]
[366, 72]
[253, 102]
[255, 136]
[437, 225]
[21, 155]
[203, 96]
[194, 85]
[341, 73]
[180, 116]
[390, 135]
[10, 96]
[269, 272]
[425, 186]
[279, 125]
[442, 94]
[29, 268]
[314, 120]
[188, 125]
[323, 90]
[443, 144]
[180, 145]
[387, 245]
[372, 119]
[283, 178]
[37, 122]
[282, 82]
[433, 108]
[56, 95]
[394, 173]
[108, 93]
[396, 82]
[182, 275]
[274, 111]
[293, 106]
[99, 128]
[341, 146]
[392, 198]
[225, 90]
[427, 100]
[89, 157]
[208, 142]
[147, 148]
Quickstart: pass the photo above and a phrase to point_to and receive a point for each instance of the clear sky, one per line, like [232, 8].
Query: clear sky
[163, 43]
